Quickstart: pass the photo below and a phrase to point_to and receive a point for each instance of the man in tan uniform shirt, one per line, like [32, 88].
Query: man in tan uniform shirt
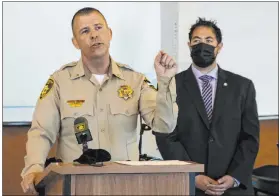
[108, 94]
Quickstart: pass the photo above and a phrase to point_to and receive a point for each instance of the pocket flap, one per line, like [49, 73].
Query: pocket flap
[77, 112]
[126, 110]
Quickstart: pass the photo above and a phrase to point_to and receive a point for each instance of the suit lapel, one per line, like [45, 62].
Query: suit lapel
[192, 87]
[220, 96]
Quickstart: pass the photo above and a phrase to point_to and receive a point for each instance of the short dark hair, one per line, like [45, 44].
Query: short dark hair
[207, 23]
[86, 11]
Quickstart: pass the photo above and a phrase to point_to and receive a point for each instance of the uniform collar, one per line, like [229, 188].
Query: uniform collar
[115, 70]
[81, 70]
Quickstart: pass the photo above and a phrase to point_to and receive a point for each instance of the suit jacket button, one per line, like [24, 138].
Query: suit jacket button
[210, 140]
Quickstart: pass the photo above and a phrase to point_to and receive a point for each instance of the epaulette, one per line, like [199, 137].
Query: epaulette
[72, 64]
[125, 66]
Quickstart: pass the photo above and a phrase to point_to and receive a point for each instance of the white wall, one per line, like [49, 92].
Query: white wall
[250, 38]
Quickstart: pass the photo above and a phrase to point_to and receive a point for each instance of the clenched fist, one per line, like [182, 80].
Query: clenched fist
[165, 65]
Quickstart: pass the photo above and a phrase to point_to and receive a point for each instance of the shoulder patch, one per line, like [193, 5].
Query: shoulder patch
[146, 80]
[153, 87]
[48, 86]
[149, 84]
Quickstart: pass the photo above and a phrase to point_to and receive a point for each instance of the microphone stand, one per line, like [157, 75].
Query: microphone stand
[144, 127]
[83, 138]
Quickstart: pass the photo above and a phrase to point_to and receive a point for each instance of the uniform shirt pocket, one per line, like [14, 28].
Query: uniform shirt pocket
[123, 118]
[69, 114]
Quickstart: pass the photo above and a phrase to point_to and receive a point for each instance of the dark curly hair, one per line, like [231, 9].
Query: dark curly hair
[207, 23]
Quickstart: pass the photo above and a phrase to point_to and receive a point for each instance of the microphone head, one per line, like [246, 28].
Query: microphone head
[81, 124]
[82, 131]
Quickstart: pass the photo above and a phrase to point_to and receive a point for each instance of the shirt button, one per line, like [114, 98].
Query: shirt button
[102, 130]
[100, 89]
[101, 109]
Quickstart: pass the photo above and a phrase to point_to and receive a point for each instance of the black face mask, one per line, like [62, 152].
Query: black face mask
[203, 54]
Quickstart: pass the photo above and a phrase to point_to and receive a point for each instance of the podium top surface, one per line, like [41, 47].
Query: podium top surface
[113, 167]
[117, 168]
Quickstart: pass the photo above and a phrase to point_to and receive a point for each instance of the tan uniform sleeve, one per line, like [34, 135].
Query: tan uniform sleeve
[158, 108]
[44, 129]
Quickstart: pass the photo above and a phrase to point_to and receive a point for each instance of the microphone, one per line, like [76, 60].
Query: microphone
[89, 156]
[82, 132]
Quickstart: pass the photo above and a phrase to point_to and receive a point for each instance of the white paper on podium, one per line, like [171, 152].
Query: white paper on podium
[141, 163]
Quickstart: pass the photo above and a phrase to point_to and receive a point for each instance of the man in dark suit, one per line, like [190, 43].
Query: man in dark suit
[218, 122]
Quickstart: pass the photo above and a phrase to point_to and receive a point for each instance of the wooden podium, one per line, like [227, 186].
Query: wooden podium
[118, 179]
